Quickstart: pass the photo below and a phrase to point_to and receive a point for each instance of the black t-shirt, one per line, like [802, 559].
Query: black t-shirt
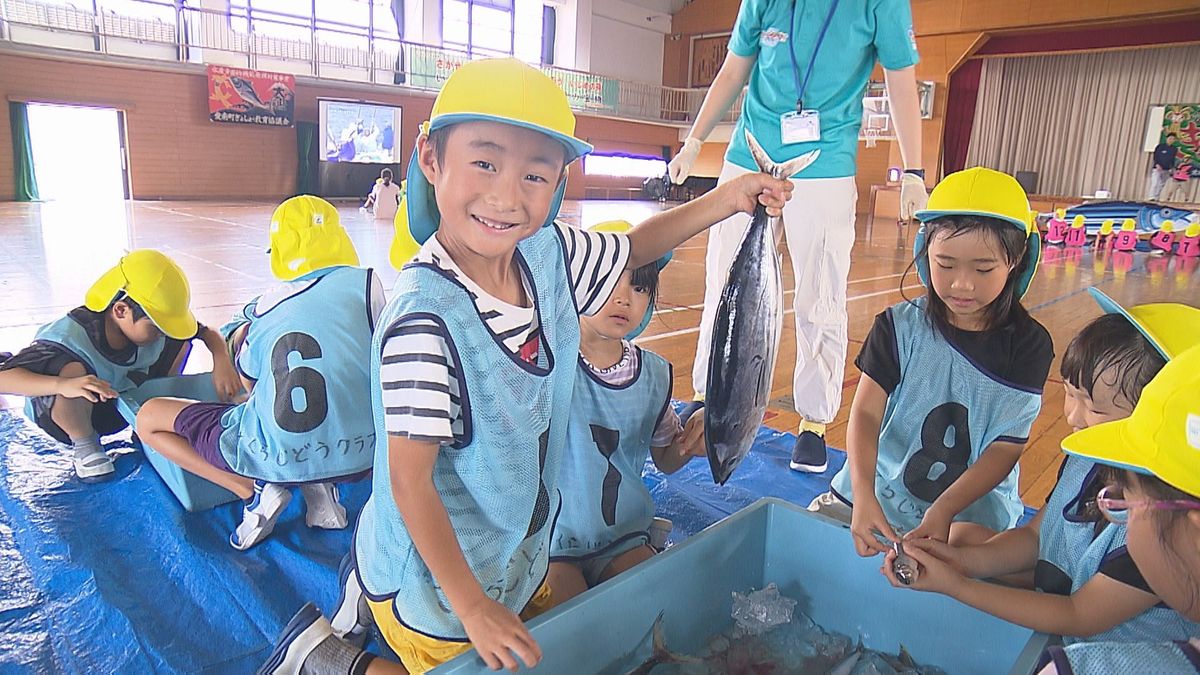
[1164, 156]
[1019, 353]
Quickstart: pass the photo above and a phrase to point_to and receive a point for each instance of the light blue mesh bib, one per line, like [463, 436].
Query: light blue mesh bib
[1069, 556]
[1119, 658]
[499, 482]
[67, 333]
[942, 415]
[309, 415]
[605, 502]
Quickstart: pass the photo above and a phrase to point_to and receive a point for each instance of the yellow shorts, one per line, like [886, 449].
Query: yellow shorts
[420, 653]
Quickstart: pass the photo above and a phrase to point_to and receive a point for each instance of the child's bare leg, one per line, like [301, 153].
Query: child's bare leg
[74, 417]
[236, 339]
[626, 560]
[385, 667]
[969, 534]
[156, 426]
[566, 581]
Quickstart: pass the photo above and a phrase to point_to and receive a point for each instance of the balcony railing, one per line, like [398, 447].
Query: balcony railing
[199, 35]
[339, 51]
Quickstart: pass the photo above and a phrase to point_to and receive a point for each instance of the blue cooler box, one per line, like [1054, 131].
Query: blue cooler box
[195, 493]
[812, 560]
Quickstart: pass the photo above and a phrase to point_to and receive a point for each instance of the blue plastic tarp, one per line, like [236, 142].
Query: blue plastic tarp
[117, 577]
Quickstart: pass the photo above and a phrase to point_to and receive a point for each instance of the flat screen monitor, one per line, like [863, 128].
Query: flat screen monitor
[363, 133]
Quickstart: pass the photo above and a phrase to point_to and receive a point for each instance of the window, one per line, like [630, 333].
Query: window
[344, 22]
[384, 25]
[624, 166]
[138, 10]
[527, 31]
[478, 27]
[272, 18]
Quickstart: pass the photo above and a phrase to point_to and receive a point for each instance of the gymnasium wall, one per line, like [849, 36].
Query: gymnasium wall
[948, 31]
[175, 152]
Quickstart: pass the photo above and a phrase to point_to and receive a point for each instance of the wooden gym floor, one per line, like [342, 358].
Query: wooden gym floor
[50, 253]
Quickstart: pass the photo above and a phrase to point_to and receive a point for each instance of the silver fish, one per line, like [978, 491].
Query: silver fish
[847, 665]
[661, 655]
[904, 567]
[745, 338]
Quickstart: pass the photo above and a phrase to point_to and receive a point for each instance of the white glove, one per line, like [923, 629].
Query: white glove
[913, 197]
[681, 165]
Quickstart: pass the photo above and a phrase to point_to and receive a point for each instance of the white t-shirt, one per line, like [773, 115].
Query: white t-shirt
[387, 198]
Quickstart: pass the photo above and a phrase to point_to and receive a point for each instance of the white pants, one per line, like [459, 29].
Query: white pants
[1158, 179]
[819, 226]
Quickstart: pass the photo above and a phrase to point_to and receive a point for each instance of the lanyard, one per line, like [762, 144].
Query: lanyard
[801, 87]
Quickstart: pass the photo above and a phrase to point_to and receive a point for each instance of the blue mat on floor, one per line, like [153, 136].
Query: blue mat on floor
[117, 577]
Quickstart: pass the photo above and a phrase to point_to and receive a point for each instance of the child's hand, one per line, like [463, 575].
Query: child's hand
[935, 575]
[744, 193]
[691, 444]
[225, 380]
[866, 520]
[497, 634]
[934, 525]
[90, 387]
[953, 556]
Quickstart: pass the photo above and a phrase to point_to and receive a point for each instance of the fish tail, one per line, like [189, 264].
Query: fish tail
[780, 170]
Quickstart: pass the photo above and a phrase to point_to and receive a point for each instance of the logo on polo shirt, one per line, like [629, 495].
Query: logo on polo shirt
[912, 38]
[1193, 431]
[772, 36]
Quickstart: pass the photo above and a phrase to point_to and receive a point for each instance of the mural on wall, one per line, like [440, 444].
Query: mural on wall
[240, 96]
[1183, 120]
[708, 53]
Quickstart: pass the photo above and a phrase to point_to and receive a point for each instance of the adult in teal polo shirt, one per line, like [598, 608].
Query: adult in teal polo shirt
[808, 60]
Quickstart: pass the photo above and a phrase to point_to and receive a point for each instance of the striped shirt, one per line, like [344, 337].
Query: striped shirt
[421, 395]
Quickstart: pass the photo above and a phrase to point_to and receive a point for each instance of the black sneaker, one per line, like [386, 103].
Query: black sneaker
[809, 454]
[689, 409]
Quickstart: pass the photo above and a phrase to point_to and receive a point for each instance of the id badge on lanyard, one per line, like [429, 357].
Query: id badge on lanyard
[803, 125]
[800, 126]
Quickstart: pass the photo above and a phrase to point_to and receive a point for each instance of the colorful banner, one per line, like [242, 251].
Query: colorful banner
[240, 96]
[708, 53]
[430, 68]
[1183, 120]
[586, 91]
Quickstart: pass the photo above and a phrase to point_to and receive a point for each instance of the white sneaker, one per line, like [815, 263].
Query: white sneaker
[660, 529]
[322, 508]
[304, 633]
[94, 467]
[259, 516]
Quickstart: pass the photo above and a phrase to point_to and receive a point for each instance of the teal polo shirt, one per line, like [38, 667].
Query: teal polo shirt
[860, 31]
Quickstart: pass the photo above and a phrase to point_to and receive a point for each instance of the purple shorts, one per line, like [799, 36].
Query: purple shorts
[200, 425]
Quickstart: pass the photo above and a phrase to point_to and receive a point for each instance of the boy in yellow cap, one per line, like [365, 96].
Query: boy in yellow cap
[473, 366]
[135, 324]
[302, 349]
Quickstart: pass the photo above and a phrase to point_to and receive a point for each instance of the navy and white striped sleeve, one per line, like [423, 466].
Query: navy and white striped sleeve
[595, 261]
[419, 379]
